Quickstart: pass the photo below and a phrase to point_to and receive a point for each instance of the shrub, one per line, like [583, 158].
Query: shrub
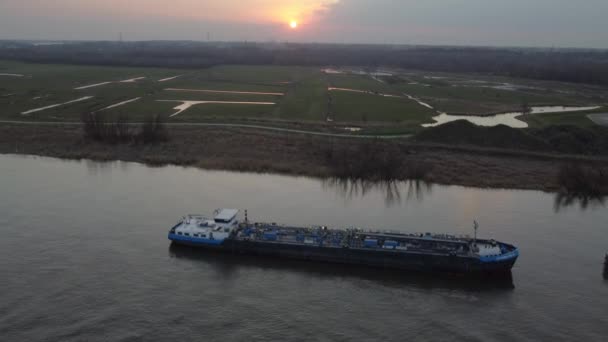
[98, 128]
[373, 160]
[584, 181]
[153, 130]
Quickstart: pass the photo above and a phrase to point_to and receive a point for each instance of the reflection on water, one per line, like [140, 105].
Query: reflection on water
[606, 267]
[95, 168]
[584, 202]
[229, 265]
[392, 190]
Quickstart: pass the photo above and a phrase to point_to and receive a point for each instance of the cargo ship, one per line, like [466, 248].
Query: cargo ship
[424, 252]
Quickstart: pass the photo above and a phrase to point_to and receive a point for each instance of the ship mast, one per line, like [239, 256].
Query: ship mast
[475, 227]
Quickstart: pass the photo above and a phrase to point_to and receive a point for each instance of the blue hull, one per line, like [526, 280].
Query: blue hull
[409, 261]
[192, 241]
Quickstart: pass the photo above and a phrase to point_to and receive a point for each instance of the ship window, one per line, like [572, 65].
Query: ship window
[187, 234]
[179, 233]
[203, 235]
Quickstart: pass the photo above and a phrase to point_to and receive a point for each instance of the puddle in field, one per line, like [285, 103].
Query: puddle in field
[417, 100]
[362, 92]
[131, 80]
[508, 119]
[223, 91]
[381, 73]
[12, 75]
[120, 104]
[419, 84]
[56, 105]
[331, 71]
[357, 72]
[169, 78]
[560, 109]
[600, 118]
[185, 105]
[495, 120]
[92, 85]
[513, 87]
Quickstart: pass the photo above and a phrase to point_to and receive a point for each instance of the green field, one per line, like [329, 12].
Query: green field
[302, 95]
[576, 118]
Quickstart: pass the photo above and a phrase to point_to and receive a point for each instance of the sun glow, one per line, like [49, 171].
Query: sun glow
[293, 24]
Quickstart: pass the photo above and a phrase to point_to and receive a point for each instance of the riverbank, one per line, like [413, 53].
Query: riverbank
[251, 150]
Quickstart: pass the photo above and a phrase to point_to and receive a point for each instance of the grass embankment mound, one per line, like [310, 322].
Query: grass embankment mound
[299, 154]
[561, 139]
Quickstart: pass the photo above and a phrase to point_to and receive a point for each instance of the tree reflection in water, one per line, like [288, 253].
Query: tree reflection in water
[606, 267]
[392, 190]
[563, 200]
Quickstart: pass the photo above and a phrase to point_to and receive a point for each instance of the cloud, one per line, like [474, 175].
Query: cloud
[480, 22]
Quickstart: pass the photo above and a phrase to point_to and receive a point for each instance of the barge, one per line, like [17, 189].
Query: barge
[382, 249]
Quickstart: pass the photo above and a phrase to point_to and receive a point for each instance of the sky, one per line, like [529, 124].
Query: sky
[542, 23]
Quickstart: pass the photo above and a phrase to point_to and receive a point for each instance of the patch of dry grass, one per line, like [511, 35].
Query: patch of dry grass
[296, 154]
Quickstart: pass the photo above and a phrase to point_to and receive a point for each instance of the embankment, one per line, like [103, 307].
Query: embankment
[253, 150]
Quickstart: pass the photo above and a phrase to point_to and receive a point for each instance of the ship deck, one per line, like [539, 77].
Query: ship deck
[358, 239]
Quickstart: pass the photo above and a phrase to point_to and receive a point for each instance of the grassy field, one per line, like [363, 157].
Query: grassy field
[361, 108]
[301, 95]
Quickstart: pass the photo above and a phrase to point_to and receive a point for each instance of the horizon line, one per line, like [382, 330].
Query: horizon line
[554, 47]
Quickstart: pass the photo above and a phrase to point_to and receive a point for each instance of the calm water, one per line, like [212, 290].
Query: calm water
[85, 257]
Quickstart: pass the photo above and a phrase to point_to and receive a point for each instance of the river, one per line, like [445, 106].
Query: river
[85, 257]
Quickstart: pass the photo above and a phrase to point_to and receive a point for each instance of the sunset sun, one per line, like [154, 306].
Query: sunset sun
[293, 24]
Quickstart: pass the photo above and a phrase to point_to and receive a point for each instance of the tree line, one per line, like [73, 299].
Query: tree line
[568, 65]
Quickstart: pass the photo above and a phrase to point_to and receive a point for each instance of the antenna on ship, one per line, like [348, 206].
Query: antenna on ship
[475, 226]
[246, 219]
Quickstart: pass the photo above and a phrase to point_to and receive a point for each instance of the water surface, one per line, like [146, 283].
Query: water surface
[85, 257]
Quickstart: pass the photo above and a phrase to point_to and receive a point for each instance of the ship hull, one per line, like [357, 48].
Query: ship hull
[390, 259]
